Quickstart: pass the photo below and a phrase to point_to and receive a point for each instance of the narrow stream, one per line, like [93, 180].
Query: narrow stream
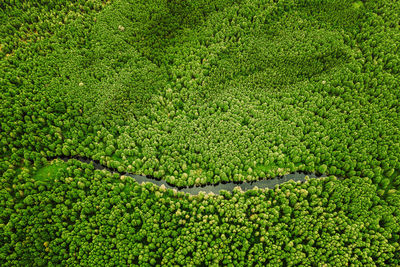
[215, 188]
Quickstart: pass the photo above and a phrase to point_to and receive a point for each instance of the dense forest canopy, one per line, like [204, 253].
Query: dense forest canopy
[194, 93]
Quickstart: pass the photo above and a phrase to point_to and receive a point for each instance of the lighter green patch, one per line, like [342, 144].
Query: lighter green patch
[48, 173]
[358, 5]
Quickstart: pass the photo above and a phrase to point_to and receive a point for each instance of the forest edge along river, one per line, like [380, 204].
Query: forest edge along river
[208, 188]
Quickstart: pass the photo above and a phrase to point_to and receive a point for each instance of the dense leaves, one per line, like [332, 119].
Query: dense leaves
[198, 92]
[91, 217]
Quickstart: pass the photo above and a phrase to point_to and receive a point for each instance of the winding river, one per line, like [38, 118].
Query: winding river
[214, 188]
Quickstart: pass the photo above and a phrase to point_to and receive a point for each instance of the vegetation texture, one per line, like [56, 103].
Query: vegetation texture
[199, 92]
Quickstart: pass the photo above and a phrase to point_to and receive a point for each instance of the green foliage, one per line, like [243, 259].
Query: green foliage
[48, 173]
[198, 92]
[83, 215]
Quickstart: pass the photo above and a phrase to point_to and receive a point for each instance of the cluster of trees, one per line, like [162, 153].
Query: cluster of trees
[27, 22]
[33, 122]
[241, 96]
[216, 91]
[92, 217]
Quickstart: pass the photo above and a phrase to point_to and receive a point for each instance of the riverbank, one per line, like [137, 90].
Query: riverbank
[270, 183]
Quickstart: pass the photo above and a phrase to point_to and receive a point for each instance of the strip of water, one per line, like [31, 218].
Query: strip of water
[214, 188]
